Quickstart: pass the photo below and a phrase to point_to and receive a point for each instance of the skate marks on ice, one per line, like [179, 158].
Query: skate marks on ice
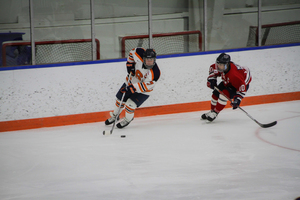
[174, 156]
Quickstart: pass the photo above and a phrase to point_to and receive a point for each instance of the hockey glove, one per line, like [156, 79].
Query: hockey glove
[211, 83]
[130, 68]
[236, 102]
[123, 89]
[130, 90]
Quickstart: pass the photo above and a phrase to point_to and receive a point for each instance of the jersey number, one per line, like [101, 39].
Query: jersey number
[139, 75]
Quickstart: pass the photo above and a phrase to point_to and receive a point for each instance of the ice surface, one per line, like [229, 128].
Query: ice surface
[163, 157]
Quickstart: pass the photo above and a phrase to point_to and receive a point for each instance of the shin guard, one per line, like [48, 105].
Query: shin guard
[117, 105]
[222, 101]
[213, 102]
[130, 107]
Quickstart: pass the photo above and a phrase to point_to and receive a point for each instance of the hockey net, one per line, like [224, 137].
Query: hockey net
[58, 51]
[272, 34]
[164, 43]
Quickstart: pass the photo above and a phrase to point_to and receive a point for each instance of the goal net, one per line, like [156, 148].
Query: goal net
[19, 52]
[272, 34]
[164, 43]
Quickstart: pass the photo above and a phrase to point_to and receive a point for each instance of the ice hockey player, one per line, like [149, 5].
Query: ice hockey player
[235, 83]
[141, 64]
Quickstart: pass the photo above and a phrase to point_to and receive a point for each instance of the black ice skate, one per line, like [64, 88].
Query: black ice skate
[123, 123]
[211, 116]
[204, 116]
[112, 119]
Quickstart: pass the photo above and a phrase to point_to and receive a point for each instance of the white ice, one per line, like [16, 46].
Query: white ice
[166, 157]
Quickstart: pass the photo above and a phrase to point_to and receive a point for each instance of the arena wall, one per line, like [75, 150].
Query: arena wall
[63, 94]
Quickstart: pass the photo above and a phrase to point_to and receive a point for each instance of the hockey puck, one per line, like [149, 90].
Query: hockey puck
[122, 136]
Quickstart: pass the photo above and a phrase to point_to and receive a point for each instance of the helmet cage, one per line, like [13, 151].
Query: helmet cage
[149, 53]
[224, 59]
[225, 66]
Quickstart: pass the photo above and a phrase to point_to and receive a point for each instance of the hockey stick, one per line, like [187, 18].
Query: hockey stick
[260, 124]
[107, 132]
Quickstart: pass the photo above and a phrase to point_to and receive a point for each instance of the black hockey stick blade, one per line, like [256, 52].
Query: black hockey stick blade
[268, 125]
[260, 124]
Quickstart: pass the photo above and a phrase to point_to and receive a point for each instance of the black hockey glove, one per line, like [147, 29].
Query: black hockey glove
[123, 89]
[130, 90]
[211, 83]
[236, 102]
[130, 68]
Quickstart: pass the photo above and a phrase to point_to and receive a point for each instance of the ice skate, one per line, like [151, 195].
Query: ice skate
[123, 123]
[204, 116]
[112, 119]
[211, 116]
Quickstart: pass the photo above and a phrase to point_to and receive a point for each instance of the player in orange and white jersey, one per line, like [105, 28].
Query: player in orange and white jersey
[143, 73]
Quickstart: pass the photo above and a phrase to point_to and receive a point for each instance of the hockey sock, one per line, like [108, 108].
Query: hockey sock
[222, 101]
[213, 103]
[117, 105]
[130, 107]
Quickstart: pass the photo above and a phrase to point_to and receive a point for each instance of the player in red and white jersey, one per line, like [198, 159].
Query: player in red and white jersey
[143, 73]
[235, 83]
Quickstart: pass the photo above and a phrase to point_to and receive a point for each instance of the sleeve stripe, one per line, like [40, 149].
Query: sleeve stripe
[248, 78]
[241, 94]
[130, 59]
[211, 78]
[139, 56]
[143, 87]
[152, 73]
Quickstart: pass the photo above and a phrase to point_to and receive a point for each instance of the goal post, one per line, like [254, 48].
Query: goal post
[164, 43]
[272, 34]
[57, 51]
